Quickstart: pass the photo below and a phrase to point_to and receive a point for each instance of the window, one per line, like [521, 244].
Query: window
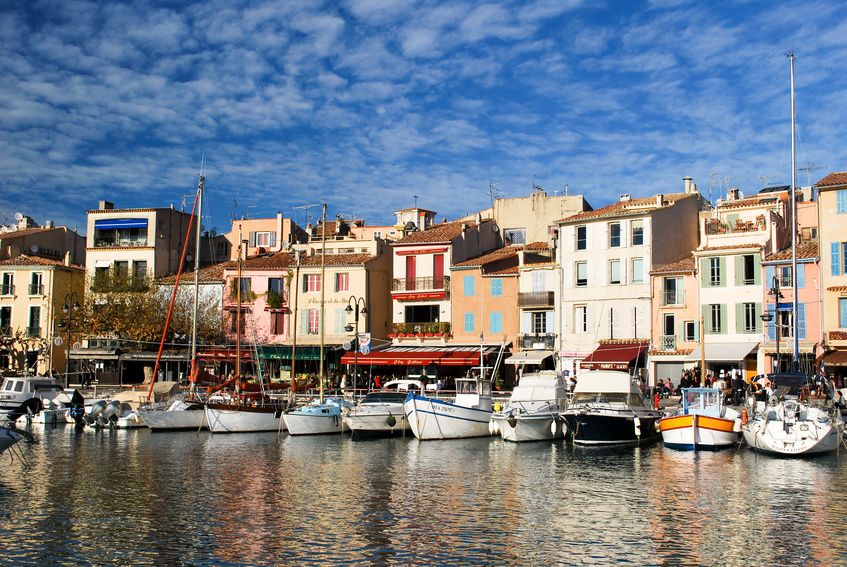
[714, 318]
[275, 285]
[809, 233]
[377, 234]
[496, 287]
[311, 282]
[581, 237]
[539, 322]
[784, 275]
[672, 291]
[638, 270]
[263, 239]
[614, 234]
[469, 322]
[469, 286]
[637, 233]
[841, 201]
[121, 273]
[342, 282]
[246, 286]
[139, 272]
[614, 272]
[35, 287]
[8, 284]
[314, 321]
[495, 322]
[714, 272]
[515, 235]
[749, 313]
[580, 318]
[421, 314]
[581, 274]
[234, 321]
[539, 281]
[5, 321]
[277, 323]
[690, 331]
[842, 313]
[748, 269]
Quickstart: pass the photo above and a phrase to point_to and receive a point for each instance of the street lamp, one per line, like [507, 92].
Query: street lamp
[355, 305]
[768, 317]
[69, 307]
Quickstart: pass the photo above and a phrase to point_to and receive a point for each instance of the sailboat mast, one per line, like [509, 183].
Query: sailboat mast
[238, 316]
[293, 389]
[794, 222]
[323, 288]
[200, 186]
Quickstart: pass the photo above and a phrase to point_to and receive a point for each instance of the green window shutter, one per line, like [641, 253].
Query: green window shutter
[739, 318]
[739, 270]
[758, 318]
[757, 269]
[706, 321]
[696, 330]
[704, 272]
[304, 322]
[722, 269]
[722, 308]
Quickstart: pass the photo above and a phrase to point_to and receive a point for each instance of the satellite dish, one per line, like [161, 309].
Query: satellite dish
[34, 248]
[19, 216]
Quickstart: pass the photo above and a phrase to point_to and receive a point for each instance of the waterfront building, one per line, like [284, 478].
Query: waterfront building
[262, 236]
[676, 316]
[832, 207]
[48, 241]
[34, 329]
[734, 238]
[535, 218]
[539, 282]
[606, 256]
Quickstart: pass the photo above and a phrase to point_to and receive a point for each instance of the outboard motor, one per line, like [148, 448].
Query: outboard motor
[95, 411]
[30, 407]
[77, 408]
[109, 415]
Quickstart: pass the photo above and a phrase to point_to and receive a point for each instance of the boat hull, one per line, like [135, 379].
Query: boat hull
[229, 419]
[174, 420]
[606, 429]
[313, 424]
[373, 423]
[8, 438]
[430, 418]
[528, 427]
[775, 438]
[692, 432]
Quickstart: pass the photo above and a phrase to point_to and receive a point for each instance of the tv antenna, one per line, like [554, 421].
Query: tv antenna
[712, 175]
[308, 213]
[493, 192]
[765, 179]
[416, 200]
[810, 168]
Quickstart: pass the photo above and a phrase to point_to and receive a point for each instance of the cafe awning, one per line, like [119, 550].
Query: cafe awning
[529, 357]
[614, 356]
[724, 352]
[835, 358]
[283, 352]
[422, 356]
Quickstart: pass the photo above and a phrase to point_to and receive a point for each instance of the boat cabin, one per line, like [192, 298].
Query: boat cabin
[702, 401]
[607, 386]
[29, 386]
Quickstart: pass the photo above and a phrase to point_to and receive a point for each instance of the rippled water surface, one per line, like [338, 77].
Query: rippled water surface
[136, 498]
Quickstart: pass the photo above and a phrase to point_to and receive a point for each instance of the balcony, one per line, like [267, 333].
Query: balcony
[536, 299]
[538, 340]
[33, 332]
[422, 329]
[673, 297]
[715, 226]
[5, 331]
[420, 284]
[7, 289]
[36, 289]
[667, 343]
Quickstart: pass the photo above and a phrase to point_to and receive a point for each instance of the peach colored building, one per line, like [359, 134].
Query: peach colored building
[832, 206]
[264, 236]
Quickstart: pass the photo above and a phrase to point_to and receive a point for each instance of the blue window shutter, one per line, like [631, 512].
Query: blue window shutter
[496, 287]
[801, 320]
[469, 323]
[495, 323]
[835, 260]
[801, 275]
[769, 274]
[842, 313]
[469, 286]
[772, 323]
[841, 201]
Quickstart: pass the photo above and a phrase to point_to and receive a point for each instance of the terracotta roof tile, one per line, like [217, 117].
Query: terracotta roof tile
[444, 232]
[804, 250]
[511, 271]
[833, 179]
[209, 274]
[733, 247]
[684, 265]
[755, 201]
[27, 260]
[626, 208]
[27, 232]
[490, 256]
[335, 260]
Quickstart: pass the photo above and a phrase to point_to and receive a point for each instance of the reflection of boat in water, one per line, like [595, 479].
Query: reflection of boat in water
[468, 415]
[608, 408]
[789, 425]
[381, 412]
[532, 412]
[703, 422]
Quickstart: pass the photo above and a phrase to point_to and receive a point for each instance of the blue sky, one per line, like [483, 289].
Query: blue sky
[365, 103]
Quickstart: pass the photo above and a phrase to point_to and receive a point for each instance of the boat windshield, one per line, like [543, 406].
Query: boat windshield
[601, 397]
[8, 384]
[384, 397]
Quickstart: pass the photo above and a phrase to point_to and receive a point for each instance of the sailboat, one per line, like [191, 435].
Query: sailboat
[787, 423]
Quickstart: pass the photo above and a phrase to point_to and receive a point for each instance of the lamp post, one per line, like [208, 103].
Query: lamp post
[69, 307]
[768, 317]
[355, 305]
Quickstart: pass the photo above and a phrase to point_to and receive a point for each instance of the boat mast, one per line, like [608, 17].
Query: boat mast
[238, 316]
[293, 389]
[194, 369]
[794, 222]
[323, 288]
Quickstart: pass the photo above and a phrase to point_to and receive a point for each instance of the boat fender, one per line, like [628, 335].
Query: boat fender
[745, 417]
[391, 421]
[512, 421]
[497, 406]
[492, 428]
[658, 425]
[554, 427]
[637, 423]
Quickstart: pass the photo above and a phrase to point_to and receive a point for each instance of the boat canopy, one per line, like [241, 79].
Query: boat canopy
[605, 382]
[529, 357]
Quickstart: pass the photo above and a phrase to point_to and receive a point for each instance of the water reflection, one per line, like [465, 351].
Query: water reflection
[105, 497]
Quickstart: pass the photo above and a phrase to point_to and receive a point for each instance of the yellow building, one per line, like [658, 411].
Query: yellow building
[832, 211]
[32, 295]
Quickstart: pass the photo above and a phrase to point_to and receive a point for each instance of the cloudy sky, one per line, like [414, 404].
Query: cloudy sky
[366, 103]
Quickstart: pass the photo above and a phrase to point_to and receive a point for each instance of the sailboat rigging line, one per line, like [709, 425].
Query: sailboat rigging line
[173, 293]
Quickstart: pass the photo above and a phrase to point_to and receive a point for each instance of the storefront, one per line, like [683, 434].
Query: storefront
[723, 357]
[428, 364]
[626, 356]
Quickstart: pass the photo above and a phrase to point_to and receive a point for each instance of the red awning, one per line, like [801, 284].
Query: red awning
[412, 357]
[613, 356]
[224, 354]
[835, 358]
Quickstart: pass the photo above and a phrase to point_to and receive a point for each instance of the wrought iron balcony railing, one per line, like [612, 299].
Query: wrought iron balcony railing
[420, 284]
[36, 289]
[538, 340]
[531, 299]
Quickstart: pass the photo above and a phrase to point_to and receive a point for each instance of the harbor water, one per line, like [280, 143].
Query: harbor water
[135, 498]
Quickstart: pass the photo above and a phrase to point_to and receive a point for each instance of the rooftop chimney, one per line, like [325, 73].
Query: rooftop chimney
[625, 197]
[687, 182]
[659, 199]
[105, 205]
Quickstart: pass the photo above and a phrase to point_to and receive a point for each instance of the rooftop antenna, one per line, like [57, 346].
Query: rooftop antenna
[234, 214]
[810, 168]
[712, 175]
[493, 192]
[248, 207]
[306, 208]
[765, 178]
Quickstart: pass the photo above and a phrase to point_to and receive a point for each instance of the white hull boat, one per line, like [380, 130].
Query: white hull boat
[466, 416]
[222, 418]
[179, 415]
[703, 422]
[381, 413]
[47, 416]
[532, 412]
[35, 391]
[317, 418]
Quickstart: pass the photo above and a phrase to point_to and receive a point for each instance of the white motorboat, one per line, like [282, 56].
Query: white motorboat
[20, 395]
[381, 412]
[8, 438]
[532, 412]
[242, 418]
[468, 415]
[178, 415]
[787, 424]
[608, 408]
[317, 418]
[703, 422]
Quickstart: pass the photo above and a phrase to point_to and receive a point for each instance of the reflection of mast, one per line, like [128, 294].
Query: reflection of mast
[238, 317]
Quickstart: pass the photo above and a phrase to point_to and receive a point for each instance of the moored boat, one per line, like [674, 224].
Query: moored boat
[20, 395]
[242, 418]
[532, 412]
[318, 417]
[703, 422]
[381, 412]
[178, 415]
[468, 415]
